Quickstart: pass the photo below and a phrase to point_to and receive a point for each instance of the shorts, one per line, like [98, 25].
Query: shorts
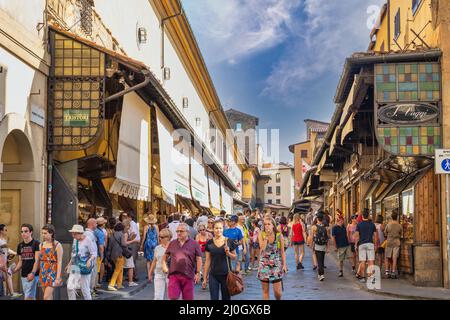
[380, 250]
[240, 256]
[29, 287]
[271, 281]
[344, 252]
[392, 252]
[298, 243]
[366, 252]
[129, 263]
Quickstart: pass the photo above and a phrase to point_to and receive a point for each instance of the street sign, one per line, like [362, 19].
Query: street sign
[442, 161]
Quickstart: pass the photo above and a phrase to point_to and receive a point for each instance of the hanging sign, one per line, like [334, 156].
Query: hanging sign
[407, 113]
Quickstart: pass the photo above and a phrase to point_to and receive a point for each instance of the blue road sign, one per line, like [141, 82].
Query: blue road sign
[445, 164]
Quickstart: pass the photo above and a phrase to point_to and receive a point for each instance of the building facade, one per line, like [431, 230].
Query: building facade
[390, 118]
[278, 192]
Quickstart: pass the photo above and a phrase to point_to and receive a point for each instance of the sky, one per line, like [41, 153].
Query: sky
[280, 60]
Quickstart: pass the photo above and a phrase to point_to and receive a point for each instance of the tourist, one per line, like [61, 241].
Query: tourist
[341, 244]
[320, 237]
[4, 252]
[254, 259]
[162, 219]
[351, 230]
[366, 236]
[202, 238]
[150, 240]
[97, 237]
[210, 227]
[48, 262]
[236, 235]
[272, 262]
[174, 225]
[101, 226]
[129, 262]
[135, 242]
[161, 280]
[117, 242]
[192, 232]
[379, 253]
[185, 265]
[109, 264]
[81, 266]
[297, 240]
[27, 257]
[245, 242]
[283, 228]
[218, 250]
[393, 232]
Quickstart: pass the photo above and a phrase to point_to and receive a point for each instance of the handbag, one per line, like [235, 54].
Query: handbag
[235, 283]
[82, 263]
[383, 245]
[126, 251]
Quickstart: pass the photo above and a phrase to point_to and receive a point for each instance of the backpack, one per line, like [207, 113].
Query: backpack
[321, 236]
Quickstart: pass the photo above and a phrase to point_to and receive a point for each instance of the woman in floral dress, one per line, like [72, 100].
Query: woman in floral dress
[49, 261]
[272, 261]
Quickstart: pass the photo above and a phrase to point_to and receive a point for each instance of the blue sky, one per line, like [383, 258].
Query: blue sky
[280, 60]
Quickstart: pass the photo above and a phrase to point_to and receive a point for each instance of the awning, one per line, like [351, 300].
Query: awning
[381, 189]
[372, 188]
[333, 141]
[348, 128]
[322, 161]
[132, 172]
[240, 202]
[165, 148]
[199, 180]
[214, 190]
[227, 200]
[399, 186]
[348, 104]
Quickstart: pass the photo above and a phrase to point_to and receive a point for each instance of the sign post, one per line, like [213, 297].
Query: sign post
[442, 166]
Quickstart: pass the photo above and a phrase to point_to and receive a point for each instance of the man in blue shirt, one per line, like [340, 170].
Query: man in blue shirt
[342, 247]
[97, 236]
[235, 234]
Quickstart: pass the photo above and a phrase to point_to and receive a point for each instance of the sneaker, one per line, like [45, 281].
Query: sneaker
[249, 269]
[362, 280]
[394, 275]
[341, 274]
[298, 266]
[321, 278]
[301, 266]
[354, 270]
[15, 295]
[111, 288]
[132, 284]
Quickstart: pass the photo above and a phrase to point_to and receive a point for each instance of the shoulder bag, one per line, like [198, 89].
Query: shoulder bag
[235, 283]
[82, 263]
[126, 251]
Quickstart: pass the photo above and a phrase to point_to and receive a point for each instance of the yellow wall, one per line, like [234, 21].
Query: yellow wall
[408, 21]
[247, 188]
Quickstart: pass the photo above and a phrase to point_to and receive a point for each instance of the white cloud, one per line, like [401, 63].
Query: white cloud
[331, 31]
[233, 29]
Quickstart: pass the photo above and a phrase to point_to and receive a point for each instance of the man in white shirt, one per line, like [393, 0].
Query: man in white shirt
[91, 225]
[174, 225]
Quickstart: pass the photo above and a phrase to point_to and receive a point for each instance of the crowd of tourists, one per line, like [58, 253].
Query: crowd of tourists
[213, 252]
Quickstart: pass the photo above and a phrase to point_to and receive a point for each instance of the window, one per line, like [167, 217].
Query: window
[269, 189]
[247, 148]
[198, 122]
[397, 25]
[238, 126]
[278, 201]
[86, 16]
[304, 154]
[185, 102]
[278, 190]
[415, 5]
[269, 201]
[212, 136]
[278, 178]
[224, 153]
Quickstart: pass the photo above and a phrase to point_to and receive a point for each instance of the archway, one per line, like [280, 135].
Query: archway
[16, 187]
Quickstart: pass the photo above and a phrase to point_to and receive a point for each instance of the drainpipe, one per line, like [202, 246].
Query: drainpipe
[117, 95]
[163, 20]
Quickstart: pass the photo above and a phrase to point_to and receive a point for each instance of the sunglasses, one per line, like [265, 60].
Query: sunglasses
[180, 231]
[163, 237]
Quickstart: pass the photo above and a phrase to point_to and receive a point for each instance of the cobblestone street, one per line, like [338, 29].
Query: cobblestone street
[298, 285]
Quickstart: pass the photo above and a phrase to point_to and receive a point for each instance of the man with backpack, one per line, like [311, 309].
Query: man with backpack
[366, 236]
[320, 237]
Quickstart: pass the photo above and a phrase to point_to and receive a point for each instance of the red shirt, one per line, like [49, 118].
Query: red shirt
[297, 231]
[183, 259]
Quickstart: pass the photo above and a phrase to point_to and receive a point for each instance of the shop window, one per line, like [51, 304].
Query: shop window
[397, 25]
[415, 5]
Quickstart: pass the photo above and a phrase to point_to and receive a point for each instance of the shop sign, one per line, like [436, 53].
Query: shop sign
[76, 118]
[37, 115]
[407, 113]
[129, 190]
[181, 190]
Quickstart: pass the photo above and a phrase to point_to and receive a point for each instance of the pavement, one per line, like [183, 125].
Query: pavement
[298, 285]
[399, 288]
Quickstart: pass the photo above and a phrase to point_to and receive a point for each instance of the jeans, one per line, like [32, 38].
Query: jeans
[29, 287]
[85, 281]
[161, 282]
[118, 273]
[247, 258]
[320, 255]
[218, 283]
[94, 275]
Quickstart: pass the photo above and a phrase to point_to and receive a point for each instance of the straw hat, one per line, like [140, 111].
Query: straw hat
[150, 219]
[101, 220]
[77, 229]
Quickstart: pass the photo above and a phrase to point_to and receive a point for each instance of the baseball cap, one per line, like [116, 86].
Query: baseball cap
[234, 218]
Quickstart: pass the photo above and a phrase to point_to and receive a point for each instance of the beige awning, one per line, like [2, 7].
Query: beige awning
[322, 161]
[333, 141]
[348, 128]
